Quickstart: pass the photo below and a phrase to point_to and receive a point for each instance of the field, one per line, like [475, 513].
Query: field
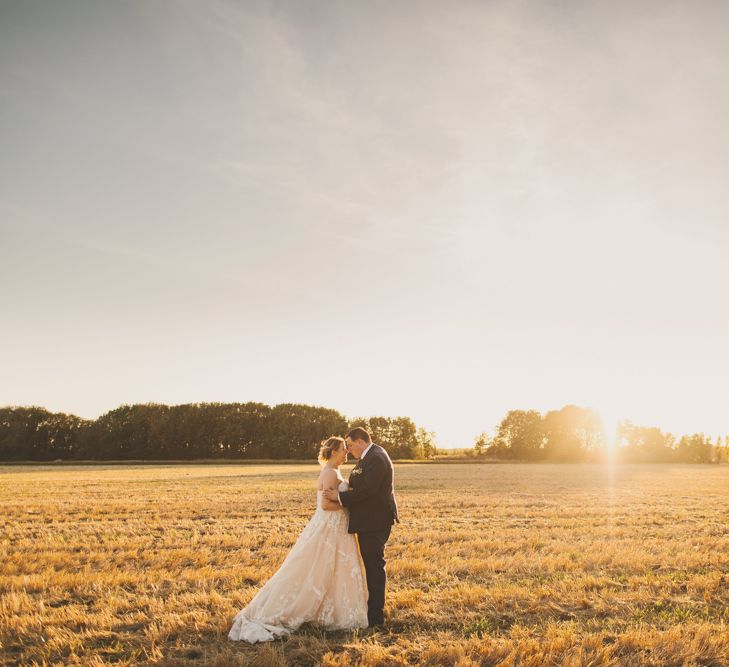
[525, 565]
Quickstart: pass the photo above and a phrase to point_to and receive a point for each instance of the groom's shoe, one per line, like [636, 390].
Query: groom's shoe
[375, 629]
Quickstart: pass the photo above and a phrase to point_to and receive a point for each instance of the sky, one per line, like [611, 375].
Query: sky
[431, 209]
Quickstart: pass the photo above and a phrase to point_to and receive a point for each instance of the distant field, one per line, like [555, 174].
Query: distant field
[527, 565]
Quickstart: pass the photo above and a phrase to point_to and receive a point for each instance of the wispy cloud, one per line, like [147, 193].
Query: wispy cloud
[506, 189]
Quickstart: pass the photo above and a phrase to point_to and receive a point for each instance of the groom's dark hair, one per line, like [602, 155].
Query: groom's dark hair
[358, 433]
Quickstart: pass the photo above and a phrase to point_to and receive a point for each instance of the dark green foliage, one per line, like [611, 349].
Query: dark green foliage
[34, 433]
[194, 431]
[399, 436]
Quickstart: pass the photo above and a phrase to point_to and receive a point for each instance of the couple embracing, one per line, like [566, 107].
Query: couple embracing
[321, 580]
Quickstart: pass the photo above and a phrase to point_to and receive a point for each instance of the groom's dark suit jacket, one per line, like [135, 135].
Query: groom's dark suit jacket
[371, 500]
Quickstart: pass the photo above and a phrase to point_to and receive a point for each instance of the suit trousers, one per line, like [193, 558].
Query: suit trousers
[372, 549]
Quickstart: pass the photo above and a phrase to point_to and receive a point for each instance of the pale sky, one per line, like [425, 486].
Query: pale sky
[434, 209]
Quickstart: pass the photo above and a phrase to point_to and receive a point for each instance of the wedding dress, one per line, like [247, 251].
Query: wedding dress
[321, 581]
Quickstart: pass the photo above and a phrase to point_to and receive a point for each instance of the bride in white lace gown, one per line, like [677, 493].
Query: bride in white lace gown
[321, 580]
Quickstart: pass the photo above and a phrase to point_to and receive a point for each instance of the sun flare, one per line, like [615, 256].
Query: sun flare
[610, 419]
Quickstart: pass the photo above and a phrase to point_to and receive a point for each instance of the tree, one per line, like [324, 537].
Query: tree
[694, 448]
[645, 444]
[572, 434]
[398, 435]
[426, 444]
[722, 450]
[35, 434]
[521, 434]
[481, 444]
[295, 431]
[245, 430]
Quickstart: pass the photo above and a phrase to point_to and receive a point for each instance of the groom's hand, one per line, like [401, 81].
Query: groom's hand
[332, 494]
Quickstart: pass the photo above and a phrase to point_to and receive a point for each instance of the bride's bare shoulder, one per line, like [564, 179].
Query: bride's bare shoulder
[328, 479]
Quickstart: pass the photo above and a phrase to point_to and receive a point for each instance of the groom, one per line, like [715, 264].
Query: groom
[372, 511]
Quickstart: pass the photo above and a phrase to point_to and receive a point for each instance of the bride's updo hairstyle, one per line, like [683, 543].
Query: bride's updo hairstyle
[328, 447]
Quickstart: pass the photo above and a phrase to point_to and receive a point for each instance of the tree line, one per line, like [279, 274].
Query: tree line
[196, 431]
[576, 434]
[153, 431]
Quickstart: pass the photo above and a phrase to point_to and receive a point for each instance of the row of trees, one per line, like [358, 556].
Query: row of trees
[294, 431]
[196, 431]
[577, 434]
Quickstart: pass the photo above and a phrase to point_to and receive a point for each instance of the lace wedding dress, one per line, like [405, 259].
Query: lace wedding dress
[321, 581]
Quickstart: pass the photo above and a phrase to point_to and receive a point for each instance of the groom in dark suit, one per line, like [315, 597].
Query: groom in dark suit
[372, 512]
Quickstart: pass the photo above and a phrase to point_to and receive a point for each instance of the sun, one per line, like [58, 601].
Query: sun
[610, 420]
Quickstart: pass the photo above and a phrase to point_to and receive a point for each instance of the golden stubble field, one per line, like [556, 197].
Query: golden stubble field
[525, 565]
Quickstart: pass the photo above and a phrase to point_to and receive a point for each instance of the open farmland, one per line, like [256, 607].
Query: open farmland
[525, 565]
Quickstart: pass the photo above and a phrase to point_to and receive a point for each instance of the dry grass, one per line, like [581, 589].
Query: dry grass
[526, 565]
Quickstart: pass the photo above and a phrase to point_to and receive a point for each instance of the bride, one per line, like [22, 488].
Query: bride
[321, 579]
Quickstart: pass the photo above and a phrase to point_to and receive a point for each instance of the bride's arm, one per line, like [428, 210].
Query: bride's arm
[330, 481]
